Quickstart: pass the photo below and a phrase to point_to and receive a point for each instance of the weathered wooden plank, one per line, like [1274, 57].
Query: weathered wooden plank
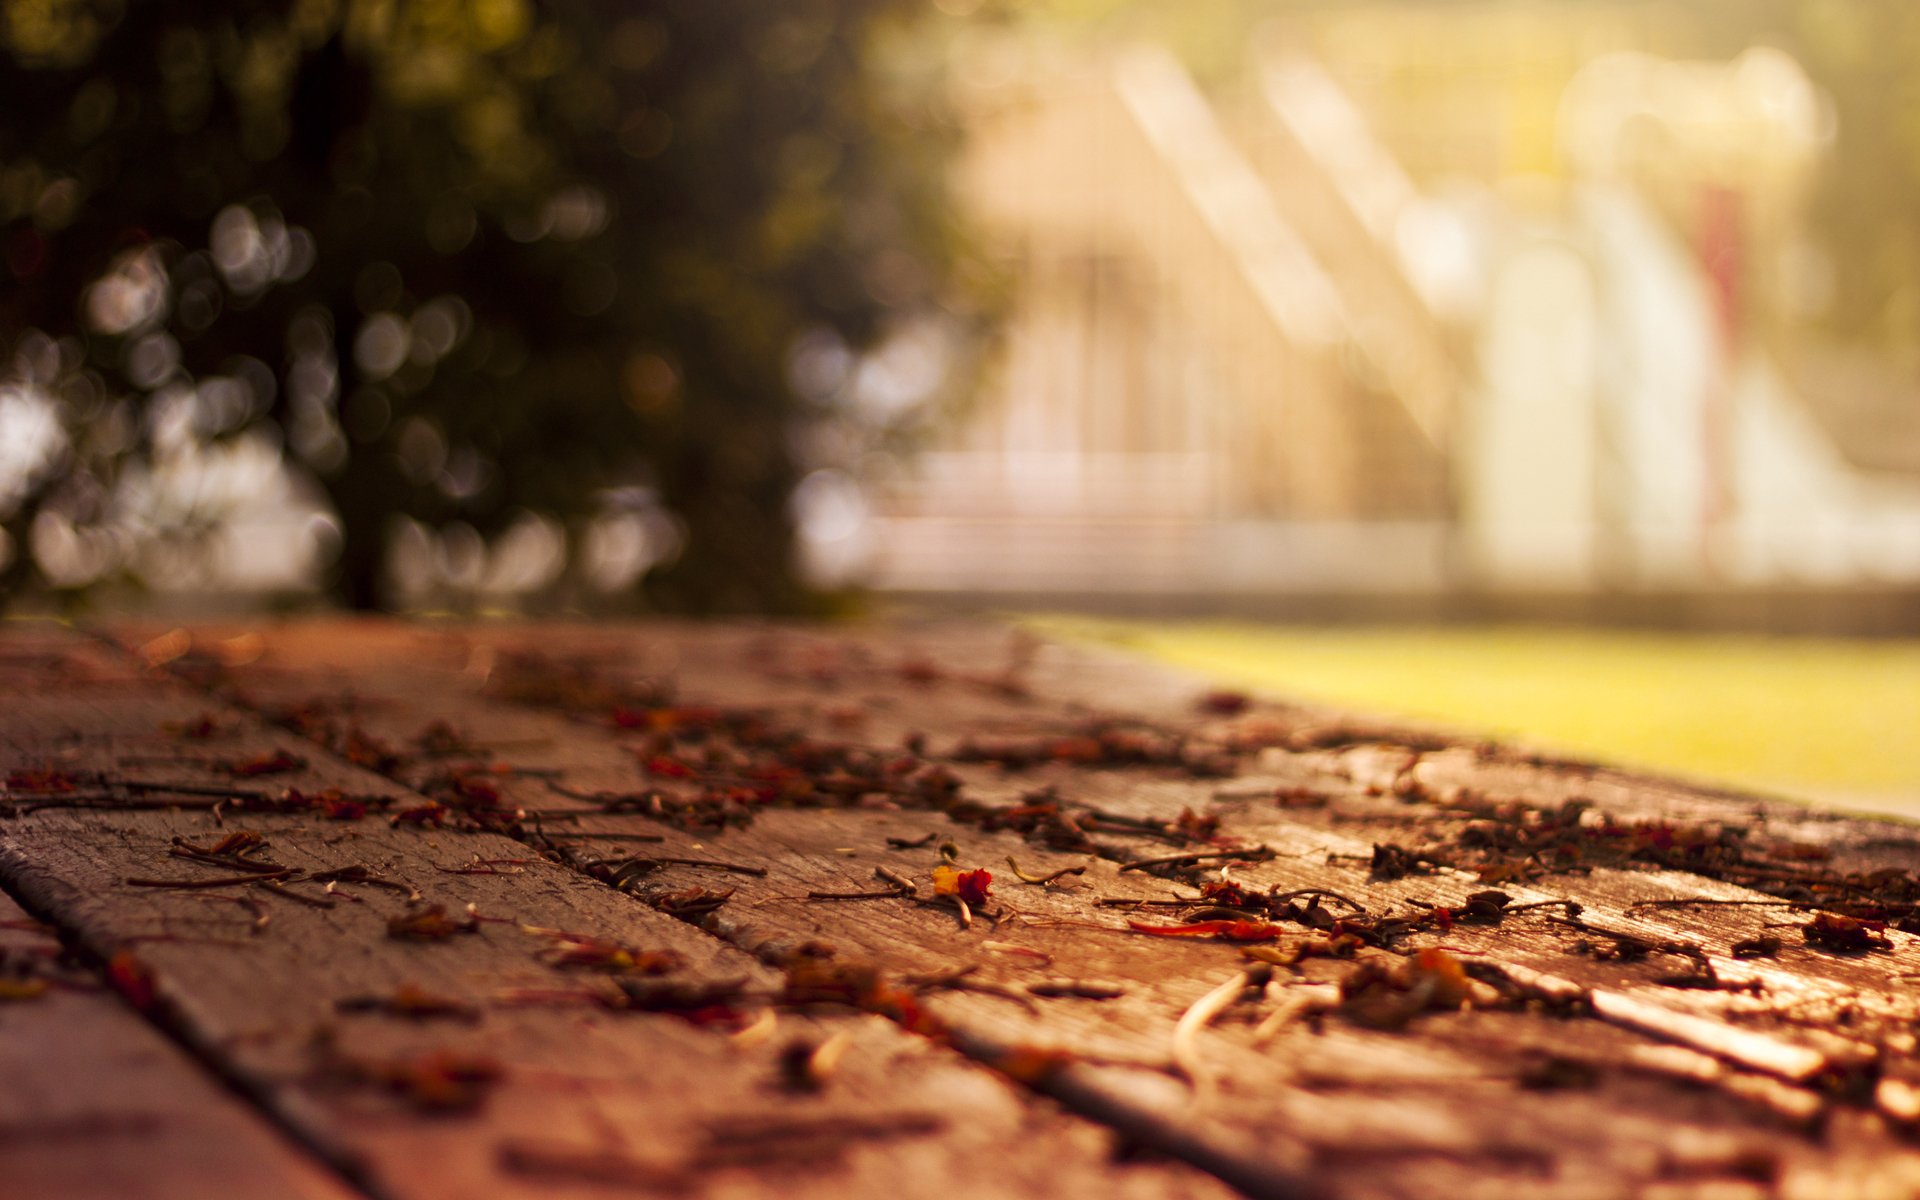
[98, 1105]
[1665, 1086]
[280, 991]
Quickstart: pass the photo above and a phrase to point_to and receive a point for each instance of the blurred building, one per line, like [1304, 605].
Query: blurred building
[1410, 315]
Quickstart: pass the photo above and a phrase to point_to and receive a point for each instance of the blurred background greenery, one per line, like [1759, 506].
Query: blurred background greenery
[496, 293]
[1437, 313]
[1826, 719]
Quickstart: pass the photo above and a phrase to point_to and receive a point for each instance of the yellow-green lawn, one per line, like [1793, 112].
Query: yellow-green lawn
[1827, 719]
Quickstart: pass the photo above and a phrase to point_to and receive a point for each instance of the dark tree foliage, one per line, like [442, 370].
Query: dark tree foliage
[470, 258]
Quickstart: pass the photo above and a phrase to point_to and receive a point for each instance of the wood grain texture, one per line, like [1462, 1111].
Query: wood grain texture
[587, 1101]
[1596, 1075]
[98, 1105]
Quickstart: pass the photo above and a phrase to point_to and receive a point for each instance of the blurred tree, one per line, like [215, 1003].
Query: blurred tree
[1864, 55]
[471, 259]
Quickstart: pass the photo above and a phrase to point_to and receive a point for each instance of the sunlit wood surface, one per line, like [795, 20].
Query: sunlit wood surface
[587, 910]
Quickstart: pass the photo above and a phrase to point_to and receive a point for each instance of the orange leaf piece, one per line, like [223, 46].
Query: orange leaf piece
[970, 886]
[1232, 931]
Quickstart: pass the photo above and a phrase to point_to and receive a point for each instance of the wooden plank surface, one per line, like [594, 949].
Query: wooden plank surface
[99, 1105]
[1451, 1040]
[532, 1084]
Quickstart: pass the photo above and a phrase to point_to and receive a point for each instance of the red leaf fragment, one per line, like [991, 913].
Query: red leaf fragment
[1231, 931]
[668, 719]
[336, 807]
[431, 813]
[970, 886]
[666, 766]
[1227, 894]
[132, 979]
[44, 780]
[277, 762]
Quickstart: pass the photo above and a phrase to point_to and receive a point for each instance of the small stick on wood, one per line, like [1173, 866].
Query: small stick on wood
[1289, 1009]
[109, 802]
[361, 875]
[222, 881]
[1574, 907]
[1252, 854]
[893, 893]
[896, 879]
[1186, 1060]
[218, 791]
[1278, 897]
[1083, 989]
[287, 892]
[1686, 902]
[1042, 880]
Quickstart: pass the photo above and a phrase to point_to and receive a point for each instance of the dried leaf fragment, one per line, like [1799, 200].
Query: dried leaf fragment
[692, 903]
[1845, 935]
[1231, 931]
[236, 843]
[429, 925]
[439, 1081]
[1765, 945]
[970, 886]
[1383, 997]
[582, 951]
[1341, 945]
[276, 762]
[431, 813]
